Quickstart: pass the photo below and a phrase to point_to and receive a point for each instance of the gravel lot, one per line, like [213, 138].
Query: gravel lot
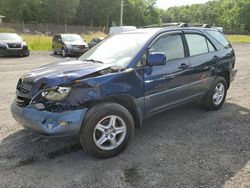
[184, 147]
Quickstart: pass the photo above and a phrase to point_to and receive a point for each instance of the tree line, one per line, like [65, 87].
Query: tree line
[233, 15]
[80, 12]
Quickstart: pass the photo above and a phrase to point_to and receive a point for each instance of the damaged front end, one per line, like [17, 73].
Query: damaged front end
[53, 106]
[49, 112]
[55, 103]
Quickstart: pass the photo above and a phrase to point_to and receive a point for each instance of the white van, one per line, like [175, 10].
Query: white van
[120, 29]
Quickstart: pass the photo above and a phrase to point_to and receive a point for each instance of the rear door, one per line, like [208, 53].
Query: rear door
[167, 85]
[202, 56]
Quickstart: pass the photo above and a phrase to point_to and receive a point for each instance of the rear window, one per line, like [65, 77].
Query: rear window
[219, 37]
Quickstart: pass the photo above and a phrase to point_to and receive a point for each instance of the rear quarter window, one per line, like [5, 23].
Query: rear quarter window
[219, 37]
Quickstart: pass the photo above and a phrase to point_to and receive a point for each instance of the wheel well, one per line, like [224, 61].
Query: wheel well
[125, 101]
[225, 74]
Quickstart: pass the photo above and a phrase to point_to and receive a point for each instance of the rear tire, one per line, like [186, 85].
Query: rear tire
[216, 95]
[107, 130]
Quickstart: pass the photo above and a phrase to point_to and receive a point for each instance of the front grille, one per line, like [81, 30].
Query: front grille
[14, 45]
[22, 101]
[81, 47]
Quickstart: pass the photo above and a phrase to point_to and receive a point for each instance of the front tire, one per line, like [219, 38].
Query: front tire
[107, 130]
[26, 53]
[64, 54]
[54, 51]
[216, 95]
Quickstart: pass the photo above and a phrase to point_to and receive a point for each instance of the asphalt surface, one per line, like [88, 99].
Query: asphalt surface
[184, 147]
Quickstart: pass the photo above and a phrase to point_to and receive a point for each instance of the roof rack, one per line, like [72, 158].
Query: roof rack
[182, 24]
[177, 24]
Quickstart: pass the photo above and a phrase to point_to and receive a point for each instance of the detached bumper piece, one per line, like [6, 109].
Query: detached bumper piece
[49, 123]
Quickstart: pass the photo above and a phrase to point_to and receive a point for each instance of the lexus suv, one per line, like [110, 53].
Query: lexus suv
[68, 44]
[107, 92]
[12, 44]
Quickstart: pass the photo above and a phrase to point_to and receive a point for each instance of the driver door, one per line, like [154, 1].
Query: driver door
[167, 85]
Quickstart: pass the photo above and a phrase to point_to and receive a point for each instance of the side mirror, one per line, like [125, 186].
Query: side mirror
[156, 59]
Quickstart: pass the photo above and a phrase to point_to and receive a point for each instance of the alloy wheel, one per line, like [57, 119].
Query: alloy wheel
[109, 132]
[218, 94]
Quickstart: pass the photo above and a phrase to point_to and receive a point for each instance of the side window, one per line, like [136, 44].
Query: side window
[197, 44]
[219, 37]
[210, 46]
[171, 46]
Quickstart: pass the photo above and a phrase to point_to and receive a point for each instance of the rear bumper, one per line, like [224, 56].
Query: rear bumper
[48, 123]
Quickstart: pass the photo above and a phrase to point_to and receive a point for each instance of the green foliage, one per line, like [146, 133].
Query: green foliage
[233, 15]
[238, 38]
[80, 12]
[43, 42]
[38, 42]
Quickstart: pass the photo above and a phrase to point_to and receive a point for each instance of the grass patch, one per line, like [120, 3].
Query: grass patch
[238, 38]
[38, 42]
[43, 42]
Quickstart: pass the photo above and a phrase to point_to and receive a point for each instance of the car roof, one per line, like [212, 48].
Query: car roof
[157, 30]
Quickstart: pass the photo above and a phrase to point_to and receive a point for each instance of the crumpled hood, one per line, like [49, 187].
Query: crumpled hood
[62, 72]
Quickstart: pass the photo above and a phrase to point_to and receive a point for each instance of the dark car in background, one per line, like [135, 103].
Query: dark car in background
[95, 41]
[107, 92]
[12, 44]
[68, 44]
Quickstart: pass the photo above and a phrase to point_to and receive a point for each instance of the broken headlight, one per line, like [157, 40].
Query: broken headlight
[56, 93]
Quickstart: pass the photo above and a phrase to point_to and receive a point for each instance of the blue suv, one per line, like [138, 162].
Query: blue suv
[124, 79]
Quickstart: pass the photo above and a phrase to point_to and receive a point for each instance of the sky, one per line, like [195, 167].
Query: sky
[164, 4]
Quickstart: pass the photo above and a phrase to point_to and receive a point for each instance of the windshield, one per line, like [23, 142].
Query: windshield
[71, 38]
[9, 36]
[117, 49]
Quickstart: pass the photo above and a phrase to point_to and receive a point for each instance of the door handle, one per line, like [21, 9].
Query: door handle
[215, 58]
[183, 66]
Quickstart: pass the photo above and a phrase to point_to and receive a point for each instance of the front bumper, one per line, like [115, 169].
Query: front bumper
[48, 123]
[10, 52]
[233, 74]
[74, 51]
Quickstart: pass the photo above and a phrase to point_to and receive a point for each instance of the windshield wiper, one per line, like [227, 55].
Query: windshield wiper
[94, 61]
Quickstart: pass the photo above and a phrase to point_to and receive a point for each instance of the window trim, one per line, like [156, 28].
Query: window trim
[167, 34]
[203, 35]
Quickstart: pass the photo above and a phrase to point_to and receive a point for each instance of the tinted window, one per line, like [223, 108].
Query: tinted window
[219, 37]
[171, 46]
[197, 44]
[210, 46]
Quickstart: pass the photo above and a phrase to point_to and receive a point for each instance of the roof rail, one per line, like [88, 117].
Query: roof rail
[178, 24]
